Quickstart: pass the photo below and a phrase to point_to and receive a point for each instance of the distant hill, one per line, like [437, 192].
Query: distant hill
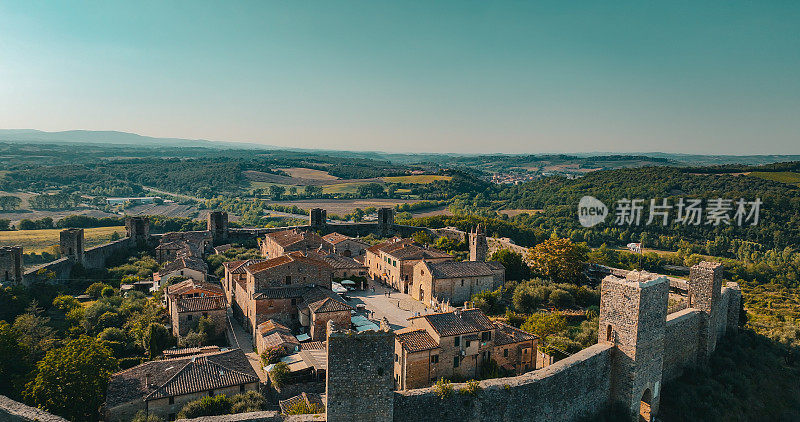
[111, 137]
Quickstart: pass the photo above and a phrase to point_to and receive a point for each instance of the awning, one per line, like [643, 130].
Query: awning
[348, 283]
[303, 337]
[338, 288]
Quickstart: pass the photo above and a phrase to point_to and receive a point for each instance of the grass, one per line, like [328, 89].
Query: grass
[41, 240]
[421, 179]
[788, 177]
[342, 188]
[306, 173]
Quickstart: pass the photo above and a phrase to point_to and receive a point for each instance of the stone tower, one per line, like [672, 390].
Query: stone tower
[633, 315]
[217, 225]
[705, 288]
[138, 228]
[364, 360]
[318, 218]
[11, 264]
[71, 244]
[478, 246]
[385, 219]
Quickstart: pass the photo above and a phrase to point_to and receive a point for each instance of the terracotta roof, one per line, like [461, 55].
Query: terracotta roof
[285, 259]
[455, 269]
[415, 340]
[290, 237]
[334, 238]
[271, 325]
[238, 267]
[458, 322]
[340, 262]
[186, 375]
[279, 339]
[185, 285]
[507, 334]
[393, 242]
[289, 292]
[188, 351]
[414, 252]
[189, 262]
[320, 300]
[197, 304]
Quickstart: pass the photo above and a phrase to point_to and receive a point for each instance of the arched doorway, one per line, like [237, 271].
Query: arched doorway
[644, 406]
[609, 333]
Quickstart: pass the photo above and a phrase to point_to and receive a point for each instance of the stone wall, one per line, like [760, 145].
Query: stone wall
[96, 257]
[14, 411]
[360, 382]
[569, 389]
[61, 268]
[681, 341]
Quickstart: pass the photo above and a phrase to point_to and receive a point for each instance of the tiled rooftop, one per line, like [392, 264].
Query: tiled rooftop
[458, 322]
[455, 269]
[415, 339]
[198, 304]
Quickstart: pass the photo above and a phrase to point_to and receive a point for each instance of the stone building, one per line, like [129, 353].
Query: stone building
[344, 266]
[319, 306]
[176, 244]
[190, 300]
[189, 267]
[345, 245]
[163, 387]
[11, 264]
[275, 287]
[280, 243]
[235, 274]
[271, 333]
[456, 345]
[454, 281]
[393, 261]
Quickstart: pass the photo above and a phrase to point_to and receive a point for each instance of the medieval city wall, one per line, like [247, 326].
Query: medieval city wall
[96, 257]
[564, 391]
[14, 411]
[59, 269]
[681, 339]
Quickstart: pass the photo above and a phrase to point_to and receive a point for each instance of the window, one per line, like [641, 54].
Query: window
[288, 279]
[434, 358]
[455, 362]
[241, 388]
[171, 399]
[396, 358]
[486, 336]
[467, 344]
[457, 341]
[294, 302]
[462, 283]
[505, 353]
[189, 317]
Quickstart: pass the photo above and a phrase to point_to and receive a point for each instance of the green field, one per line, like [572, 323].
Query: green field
[788, 177]
[41, 240]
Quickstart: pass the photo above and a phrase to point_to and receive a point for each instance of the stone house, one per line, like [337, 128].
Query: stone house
[176, 244]
[235, 274]
[393, 261]
[320, 306]
[343, 266]
[345, 245]
[190, 267]
[271, 334]
[163, 387]
[280, 243]
[275, 287]
[190, 300]
[454, 345]
[454, 281]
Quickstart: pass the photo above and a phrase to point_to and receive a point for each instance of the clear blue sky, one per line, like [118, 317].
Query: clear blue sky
[460, 76]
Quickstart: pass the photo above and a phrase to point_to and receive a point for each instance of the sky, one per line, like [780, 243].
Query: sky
[719, 77]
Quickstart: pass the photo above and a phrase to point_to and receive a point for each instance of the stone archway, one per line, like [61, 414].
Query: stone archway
[644, 406]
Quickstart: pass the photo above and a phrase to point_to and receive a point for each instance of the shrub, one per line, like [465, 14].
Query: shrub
[251, 401]
[561, 299]
[472, 388]
[301, 407]
[279, 375]
[95, 290]
[272, 355]
[443, 388]
[545, 324]
[143, 416]
[206, 406]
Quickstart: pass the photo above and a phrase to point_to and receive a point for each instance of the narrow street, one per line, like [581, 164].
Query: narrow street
[237, 337]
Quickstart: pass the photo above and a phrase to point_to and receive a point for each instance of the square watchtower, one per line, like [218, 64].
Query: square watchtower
[71, 244]
[633, 315]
